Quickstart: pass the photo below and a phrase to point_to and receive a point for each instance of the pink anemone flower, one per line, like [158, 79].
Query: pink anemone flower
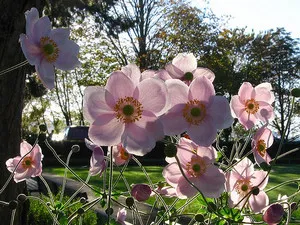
[126, 113]
[241, 180]
[184, 67]
[196, 110]
[46, 48]
[262, 140]
[198, 165]
[121, 216]
[30, 165]
[97, 161]
[253, 104]
[120, 155]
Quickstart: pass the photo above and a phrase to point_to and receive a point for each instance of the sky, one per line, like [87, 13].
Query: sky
[259, 15]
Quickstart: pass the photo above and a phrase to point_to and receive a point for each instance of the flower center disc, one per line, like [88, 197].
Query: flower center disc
[188, 76]
[124, 154]
[196, 167]
[242, 187]
[251, 106]
[49, 49]
[128, 110]
[27, 162]
[261, 147]
[194, 112]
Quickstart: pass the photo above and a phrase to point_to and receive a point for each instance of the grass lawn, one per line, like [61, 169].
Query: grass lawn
[133, 174]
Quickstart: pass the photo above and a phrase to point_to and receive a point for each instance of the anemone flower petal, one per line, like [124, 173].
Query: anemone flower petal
[204, 72]
[42, 28]
[32, 17]
[236, 106]
[106, 130]
[212, 182]
[263, 93]
[172, 174]
[260, 179]
[258, 202]
[244, 167]
[133, 72]
[25, 147]
[31, 51]
[12, 163]
[201, 89]
[220, 112]
[185, 62]
[184, 189]
[174, 72]
[68, 56]
[60, 35]
[248, 120]
[265, 112]
[119, 85]
[178, 91]
[45, 72]
[245, 91]
[153, 95]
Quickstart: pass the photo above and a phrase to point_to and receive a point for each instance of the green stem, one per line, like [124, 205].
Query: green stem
[110, 179]
[48, 189]
[65, 176]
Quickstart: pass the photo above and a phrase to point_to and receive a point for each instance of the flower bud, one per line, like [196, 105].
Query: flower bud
[255, 190]
[109, 211]
[43, 128]
[22, 198]
[82, 200]
[13, 204]
[75, 148]
[129, 202]
[80, 211]
[273, 214]
[295, 92]
[141, 192]
[199, 217]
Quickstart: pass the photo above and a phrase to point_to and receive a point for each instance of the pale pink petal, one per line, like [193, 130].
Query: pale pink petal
[258, 202]
[60, 35]
[94, 103]
[173, 121]
[67, 56]
[12, 163]
[184, 189]
[186, 148]
[133, 72]
[25, 147]
[172, 174]
[42, 28]
[106, 130]
[201, 89]
[259, 159]
[245, 91]
[185, 62]
[220, 112]
[121, 216]
[248, 120]
[267, 136]
[231, 178]
[263, 92]
[18, 177]
[235, 198]
[260, 179]
[120, 85]
[32, 17]
[97, 163]
[265, 112]
[203, 134]
[37, 157]
[153, 95]
[245, 168]
[31, 51]
[236, 106]
[178, 91]
[209, 154]
[148, 74]
[45, 72]
[204, 72]
[212, 182]
[174, 72]
[167, 191]
[163, 74]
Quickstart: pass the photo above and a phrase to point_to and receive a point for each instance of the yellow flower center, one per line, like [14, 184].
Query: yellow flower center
[261, 147]
[49, 49]
[196, 167]
[251, 106]
[27, 162]
[128, 110]
[194, 112]
[243, 187]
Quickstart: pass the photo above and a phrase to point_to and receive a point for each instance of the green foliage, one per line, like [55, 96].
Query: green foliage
[38, 213]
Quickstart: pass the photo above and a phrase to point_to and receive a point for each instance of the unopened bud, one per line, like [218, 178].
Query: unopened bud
[129, 202]
[80, 211]
[43, 128]
[141, 192]
[273, 214]
[199, 218]
[75, 148]
[295, 92]
[13, 204]
[82, 200]
[22, 198]
[255, 190]
[109, 211]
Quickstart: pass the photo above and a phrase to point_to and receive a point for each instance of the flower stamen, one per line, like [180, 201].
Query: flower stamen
[196, 167]
[49, 49]
[251, 106]
[128, 110]
[261, 147]
[27, 162]
[194, 112]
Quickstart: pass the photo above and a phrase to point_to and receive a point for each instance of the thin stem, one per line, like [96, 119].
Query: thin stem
[13, 213]
[48, 189]
[110, 180]
[65, 176]
[4, 203]
[13, 67]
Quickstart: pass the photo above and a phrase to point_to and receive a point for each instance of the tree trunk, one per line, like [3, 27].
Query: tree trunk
[12, 24]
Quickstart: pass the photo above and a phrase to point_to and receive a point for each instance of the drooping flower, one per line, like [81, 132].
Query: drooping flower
[121, 216]
[262, 140]
[252, 105]
[241, 182]
[46, 48]
[120, 155]
[97, 161]
[30, 165]
[273, 215]
[126, 112]
[196, 110]
[141, 192]
[184, 67]
[166, 191]
[197, 164]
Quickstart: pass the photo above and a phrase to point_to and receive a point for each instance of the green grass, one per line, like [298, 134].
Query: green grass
[134, 174]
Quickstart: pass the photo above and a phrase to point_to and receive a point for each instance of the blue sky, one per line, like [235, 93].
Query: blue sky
[259, 15]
